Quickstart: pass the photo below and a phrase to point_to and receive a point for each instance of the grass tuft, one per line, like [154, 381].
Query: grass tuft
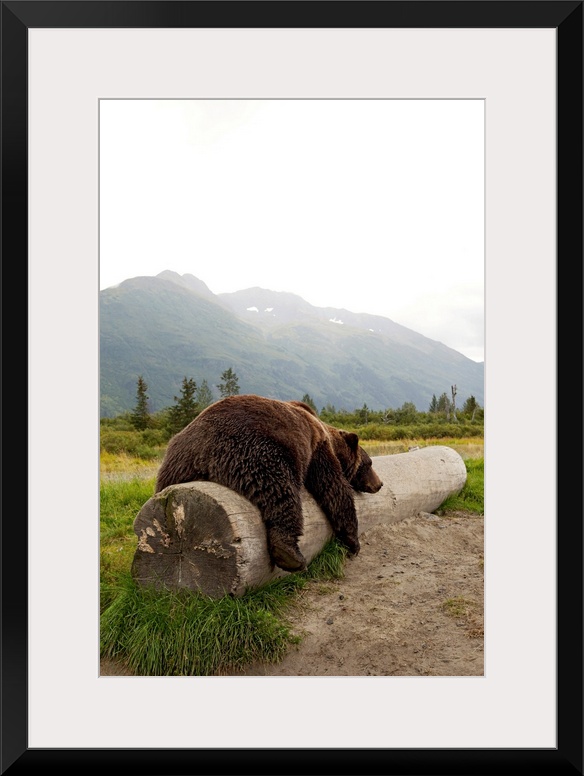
[119, 503]
[181, 633]
[329, 563]
[167, 633]
[472, 496]
[458, 607]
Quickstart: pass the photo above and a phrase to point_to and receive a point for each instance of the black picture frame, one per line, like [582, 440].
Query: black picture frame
[17, 17]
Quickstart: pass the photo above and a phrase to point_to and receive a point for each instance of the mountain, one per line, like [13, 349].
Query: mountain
[172, 326]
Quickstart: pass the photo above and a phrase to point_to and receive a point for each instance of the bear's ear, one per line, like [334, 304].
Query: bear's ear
[351, 439]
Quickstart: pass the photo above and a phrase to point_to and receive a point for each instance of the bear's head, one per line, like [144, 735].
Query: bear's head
[355, 462]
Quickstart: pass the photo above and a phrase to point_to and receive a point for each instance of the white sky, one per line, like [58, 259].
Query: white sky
[370, 205]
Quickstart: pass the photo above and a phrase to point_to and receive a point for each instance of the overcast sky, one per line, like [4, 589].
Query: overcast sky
[369, 205]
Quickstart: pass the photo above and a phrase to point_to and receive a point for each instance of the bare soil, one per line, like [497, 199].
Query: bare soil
[410, 604]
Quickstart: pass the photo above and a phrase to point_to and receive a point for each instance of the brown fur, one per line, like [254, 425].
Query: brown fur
[266, 450]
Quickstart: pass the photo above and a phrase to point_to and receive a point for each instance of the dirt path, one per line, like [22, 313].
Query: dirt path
[410, 604]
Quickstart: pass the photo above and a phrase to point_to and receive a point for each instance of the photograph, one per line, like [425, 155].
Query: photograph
[292, 284]
[329, 252]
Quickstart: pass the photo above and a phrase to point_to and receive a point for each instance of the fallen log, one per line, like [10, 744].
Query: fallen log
[207, 538]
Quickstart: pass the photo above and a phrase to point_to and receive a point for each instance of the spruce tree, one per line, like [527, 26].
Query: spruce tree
[363, 414]
[140, 417]
[229, 385]
[444, 404]
[185, 408]
[470, 407]
[307, 399]
[204, 395]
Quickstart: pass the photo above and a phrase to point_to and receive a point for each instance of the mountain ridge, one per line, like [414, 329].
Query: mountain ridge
[170, 326]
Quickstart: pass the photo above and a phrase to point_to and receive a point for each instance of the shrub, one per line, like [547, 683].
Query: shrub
[145, 444]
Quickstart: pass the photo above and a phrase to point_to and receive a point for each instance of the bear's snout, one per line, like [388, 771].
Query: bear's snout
[373, 482]
[373, 487]
[366, 481]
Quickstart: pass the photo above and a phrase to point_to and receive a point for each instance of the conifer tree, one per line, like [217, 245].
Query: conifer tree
[307, 399]
[204, 395]
[229, 385]
[140, 417]
[444, 404]
[185, 408]
[363, 414]
[470, 407]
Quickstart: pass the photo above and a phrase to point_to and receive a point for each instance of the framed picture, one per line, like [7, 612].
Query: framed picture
[524, 60]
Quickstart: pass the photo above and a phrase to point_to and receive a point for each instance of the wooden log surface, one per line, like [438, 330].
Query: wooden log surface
[207, 538]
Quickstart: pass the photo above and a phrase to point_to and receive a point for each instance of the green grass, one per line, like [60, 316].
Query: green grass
[187, 634]
[165, 633]
[472, 496]
[120, 502]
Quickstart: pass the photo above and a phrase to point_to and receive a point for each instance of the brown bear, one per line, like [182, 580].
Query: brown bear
[266, 450]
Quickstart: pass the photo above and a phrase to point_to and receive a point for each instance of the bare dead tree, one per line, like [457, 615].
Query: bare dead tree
[453, 389]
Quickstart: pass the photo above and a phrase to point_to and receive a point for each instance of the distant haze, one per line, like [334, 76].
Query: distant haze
[375, 206]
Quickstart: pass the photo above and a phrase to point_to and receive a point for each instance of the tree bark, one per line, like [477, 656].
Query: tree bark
[207, 538]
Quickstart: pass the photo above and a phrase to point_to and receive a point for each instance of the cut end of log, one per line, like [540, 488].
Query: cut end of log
[186, 540]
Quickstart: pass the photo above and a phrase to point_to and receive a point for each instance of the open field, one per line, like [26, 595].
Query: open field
[126, 467]
[466, 448]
